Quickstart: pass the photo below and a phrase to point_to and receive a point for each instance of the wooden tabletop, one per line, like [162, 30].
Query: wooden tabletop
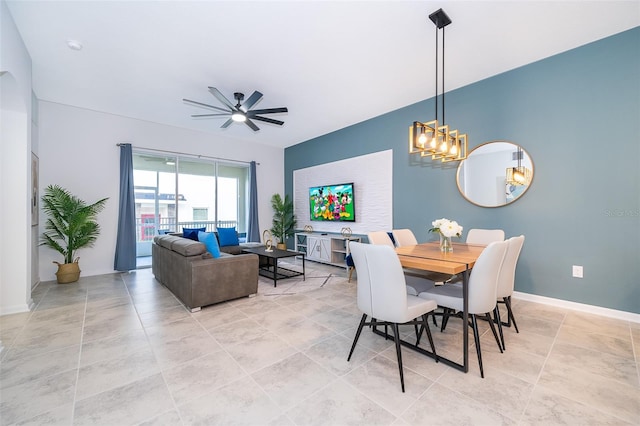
[428, 257]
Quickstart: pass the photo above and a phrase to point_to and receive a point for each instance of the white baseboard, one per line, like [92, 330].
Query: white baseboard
[581, 307]
[17, 309]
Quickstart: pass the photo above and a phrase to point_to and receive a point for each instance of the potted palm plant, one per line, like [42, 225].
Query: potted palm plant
[71, 226]
[284, 221]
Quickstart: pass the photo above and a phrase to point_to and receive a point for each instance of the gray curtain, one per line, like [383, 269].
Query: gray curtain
[253, 231]
[125, 259]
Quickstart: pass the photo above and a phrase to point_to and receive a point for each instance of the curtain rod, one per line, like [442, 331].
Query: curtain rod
[187, 154]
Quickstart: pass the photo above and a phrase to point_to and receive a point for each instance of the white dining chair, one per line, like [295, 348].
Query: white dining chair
[404, 237]
[479, 236]
[483, 287]
[381, 295]
[415, 281]
[506, 283]
[380, 238]
[484, 236]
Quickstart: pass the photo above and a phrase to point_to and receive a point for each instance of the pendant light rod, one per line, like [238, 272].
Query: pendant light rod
[441, 20]
[436, 98]
[443, 74]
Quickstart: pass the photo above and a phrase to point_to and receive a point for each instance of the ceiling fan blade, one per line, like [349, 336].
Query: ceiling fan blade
[227, 123]
[252, 125]
[200, 104]
[268, 111]
[215, 92]
[268, 120]
[253, 99]
[210, 115]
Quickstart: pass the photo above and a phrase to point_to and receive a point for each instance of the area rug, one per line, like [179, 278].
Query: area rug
[294, 285]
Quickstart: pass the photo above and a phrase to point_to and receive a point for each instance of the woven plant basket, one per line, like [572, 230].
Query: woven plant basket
[68, 272]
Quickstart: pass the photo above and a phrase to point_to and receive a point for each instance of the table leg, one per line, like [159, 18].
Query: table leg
[304, 275]
[275, 272]
[465, 319]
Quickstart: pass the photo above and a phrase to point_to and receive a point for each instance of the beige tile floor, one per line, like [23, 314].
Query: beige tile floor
[120, 349]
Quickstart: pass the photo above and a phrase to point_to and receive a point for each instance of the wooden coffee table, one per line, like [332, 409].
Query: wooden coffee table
[269, 263]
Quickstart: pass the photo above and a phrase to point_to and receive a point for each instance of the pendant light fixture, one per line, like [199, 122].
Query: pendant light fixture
[519, 175]
[434, 138]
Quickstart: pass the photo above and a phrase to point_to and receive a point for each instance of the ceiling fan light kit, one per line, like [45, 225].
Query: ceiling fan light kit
[240, 112]
[239, 117]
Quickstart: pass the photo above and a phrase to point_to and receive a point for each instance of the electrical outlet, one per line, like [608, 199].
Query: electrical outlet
[577, 271]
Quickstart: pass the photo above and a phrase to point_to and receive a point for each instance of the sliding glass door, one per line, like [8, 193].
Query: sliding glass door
[233, 193]
[154, 180]
[182, 192]
[197, 181]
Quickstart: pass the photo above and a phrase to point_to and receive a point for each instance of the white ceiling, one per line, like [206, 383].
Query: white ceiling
[332, 63]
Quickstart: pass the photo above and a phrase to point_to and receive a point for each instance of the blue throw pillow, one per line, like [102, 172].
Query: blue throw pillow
[192, 233]
[228, 237]
[349, 260]
[210, 242]
[393, 240]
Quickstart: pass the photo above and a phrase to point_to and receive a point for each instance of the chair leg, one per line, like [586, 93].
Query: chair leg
[496, 314]
[422, 327]
[355, 340]
[445, 319]
[493, 330]
[508, 323]
[507, 301]
[426, 326]
[476, 338]
[351, 268]
[396, 335]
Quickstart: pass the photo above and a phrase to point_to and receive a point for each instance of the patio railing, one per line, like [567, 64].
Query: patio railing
[145, 230]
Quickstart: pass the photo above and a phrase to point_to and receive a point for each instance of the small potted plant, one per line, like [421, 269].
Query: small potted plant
[284, 221]
[71, 226]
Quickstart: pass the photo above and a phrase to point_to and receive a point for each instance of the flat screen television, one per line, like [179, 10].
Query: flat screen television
[332, 203]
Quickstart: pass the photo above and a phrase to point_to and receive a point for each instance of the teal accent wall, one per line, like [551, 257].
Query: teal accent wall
[578, 116]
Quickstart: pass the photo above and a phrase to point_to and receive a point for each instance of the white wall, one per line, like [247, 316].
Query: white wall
[15, 169]
[372, 177]
[78, 151]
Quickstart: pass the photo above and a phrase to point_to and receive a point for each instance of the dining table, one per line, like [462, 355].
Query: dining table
[429, 258]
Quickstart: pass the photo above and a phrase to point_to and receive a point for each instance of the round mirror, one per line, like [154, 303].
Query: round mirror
[495, 174]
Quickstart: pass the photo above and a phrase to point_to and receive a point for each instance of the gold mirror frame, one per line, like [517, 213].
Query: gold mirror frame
[479, 177]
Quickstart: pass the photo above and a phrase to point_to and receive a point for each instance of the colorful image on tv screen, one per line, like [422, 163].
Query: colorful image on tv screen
[332, 203]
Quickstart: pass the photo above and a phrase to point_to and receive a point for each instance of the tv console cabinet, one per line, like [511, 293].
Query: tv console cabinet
[324, 247]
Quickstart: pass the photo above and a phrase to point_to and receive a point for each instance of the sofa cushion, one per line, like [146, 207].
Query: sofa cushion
[232, 249]
[166, 241]
[211, 243]
[228, 237]
[192, 233]
[188, 247]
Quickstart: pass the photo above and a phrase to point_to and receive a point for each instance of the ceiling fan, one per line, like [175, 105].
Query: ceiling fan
[241, 112]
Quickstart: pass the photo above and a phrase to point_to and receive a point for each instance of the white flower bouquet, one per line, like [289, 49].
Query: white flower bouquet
[448, 228]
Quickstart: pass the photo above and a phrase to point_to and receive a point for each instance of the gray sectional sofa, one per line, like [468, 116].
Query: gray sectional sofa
[186, 268]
